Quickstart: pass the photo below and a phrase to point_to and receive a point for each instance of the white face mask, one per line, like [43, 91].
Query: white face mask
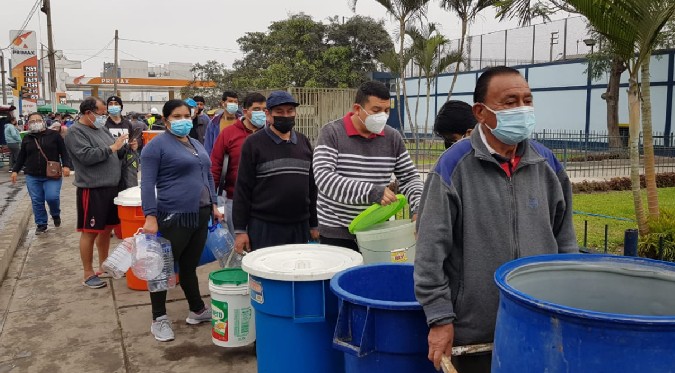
[36, 126]
[375, 122]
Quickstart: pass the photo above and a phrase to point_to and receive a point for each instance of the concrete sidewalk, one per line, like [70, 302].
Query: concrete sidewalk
[49, 322]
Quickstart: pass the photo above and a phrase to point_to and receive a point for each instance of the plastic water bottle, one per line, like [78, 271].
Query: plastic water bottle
[233, 260]
[220, 242]
[167, 278]
[120, 259]
[148, 257]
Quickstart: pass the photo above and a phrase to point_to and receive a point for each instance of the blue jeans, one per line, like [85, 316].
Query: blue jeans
[41, 190]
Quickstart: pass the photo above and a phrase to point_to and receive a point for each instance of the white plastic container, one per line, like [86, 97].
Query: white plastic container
[233, 320]
[388, 242]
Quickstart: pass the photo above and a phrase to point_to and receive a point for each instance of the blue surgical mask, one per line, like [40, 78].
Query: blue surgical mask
[258, 118]
[181, 127]
[100, 120]
[231, 107]
[114, 110]
[513, 125]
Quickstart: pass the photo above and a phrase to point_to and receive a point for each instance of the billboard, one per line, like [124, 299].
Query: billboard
[25, 67]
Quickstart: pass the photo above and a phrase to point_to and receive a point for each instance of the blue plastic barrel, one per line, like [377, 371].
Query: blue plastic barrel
[295, 311]
[381, 326]
[585, 313]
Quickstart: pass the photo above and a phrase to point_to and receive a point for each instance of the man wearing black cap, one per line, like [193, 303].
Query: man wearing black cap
[275, 194]
[118, 126]
[454, 122]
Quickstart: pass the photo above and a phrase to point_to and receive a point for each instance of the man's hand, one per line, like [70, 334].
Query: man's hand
[314, 234]
[66, 171]
[414, 217]
[440, 343]
[13, 177]
[242, 243]
[119, 142]
[217, 215]
[150, 226]
[388, 197]
[133, 144]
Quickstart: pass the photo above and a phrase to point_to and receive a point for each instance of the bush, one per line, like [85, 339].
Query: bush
[660, 242]
[664, 180]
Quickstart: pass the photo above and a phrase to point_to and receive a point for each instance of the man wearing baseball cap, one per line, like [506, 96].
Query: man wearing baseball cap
[118, 126]
[275, 194]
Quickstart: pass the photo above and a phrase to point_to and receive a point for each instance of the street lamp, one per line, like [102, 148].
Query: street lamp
[590, 43]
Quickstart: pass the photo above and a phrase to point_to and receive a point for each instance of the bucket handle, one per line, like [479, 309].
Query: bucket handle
[391, 251]
[343, 340]
[309, 318]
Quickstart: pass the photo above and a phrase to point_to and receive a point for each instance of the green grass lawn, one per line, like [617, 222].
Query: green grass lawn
[618, 204]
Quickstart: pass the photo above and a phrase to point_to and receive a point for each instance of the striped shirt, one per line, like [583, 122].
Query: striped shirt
[351, 173]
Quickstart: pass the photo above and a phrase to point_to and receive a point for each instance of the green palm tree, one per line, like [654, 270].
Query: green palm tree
[632, 26]
[402, 11]
[467, 10]
[390, 60]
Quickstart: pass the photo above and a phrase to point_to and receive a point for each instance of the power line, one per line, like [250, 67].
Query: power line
[25, 23]
[99, 52]
[199, 47]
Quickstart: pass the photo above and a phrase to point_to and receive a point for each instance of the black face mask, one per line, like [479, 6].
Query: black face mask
[284, 124]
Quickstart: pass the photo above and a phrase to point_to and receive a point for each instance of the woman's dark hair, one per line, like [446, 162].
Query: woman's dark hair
[454, 117]
[171, 105]
[483, 82]
[371, 88]
[252, 98]
[89, 104]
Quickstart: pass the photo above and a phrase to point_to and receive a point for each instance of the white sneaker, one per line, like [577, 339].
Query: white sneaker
[196, 318]
[161, 329]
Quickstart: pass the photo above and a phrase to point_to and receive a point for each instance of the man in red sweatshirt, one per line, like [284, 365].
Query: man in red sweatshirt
[227, 150]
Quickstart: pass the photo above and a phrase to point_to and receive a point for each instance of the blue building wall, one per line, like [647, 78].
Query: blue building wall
[564, 96]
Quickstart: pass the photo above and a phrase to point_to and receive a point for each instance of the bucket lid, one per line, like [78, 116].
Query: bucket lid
[310, 262]
[376, 214]
[229, 276]
[129, 197]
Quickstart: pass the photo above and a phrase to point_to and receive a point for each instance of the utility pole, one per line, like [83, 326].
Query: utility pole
[2, 72]
[115, 72]
[42, 68]
[554, 41]
[46, 9]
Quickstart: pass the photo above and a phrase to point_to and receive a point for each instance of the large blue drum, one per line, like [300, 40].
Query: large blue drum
[585, 313]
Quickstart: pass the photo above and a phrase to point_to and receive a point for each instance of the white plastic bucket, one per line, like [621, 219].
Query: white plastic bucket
[388, 242]
[233, 321]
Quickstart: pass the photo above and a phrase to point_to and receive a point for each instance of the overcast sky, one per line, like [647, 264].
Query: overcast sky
[83, 28]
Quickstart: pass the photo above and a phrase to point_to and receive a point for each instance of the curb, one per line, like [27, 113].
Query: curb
[12, 235]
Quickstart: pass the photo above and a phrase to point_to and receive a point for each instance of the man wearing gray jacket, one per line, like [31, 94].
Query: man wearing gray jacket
[491, 198]
[96, 156]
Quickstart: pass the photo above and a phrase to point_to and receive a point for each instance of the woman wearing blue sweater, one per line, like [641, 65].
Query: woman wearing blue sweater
[177, 167]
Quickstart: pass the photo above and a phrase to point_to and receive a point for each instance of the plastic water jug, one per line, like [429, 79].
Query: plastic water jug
[167, 278]
[148, 257]
[120, 259]
[233, 260]
[220, 242]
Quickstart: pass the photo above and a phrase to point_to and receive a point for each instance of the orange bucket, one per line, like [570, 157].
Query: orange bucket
[149, 135]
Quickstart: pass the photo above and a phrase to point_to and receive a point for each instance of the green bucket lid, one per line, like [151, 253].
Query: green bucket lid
[377, 214]
[229, 276]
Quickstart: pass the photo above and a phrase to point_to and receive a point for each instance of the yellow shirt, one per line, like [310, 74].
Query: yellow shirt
[224, 122]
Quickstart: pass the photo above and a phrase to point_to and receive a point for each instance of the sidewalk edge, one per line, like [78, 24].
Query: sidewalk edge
[16, 230]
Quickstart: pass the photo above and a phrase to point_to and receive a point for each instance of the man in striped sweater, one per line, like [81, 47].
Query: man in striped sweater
[353, 162]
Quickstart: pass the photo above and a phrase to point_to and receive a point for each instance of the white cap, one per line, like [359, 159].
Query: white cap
[310, 262]
[154, 111]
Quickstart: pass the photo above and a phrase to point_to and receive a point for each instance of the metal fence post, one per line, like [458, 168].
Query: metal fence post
[506, 38]
[480, 58]
[534, 36]
[630, 242]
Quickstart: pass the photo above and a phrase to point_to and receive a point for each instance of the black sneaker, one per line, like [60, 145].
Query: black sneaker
[40, 229]
[57, 221]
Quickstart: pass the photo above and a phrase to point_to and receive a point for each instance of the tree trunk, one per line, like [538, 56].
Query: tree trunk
[612, 99]
[634, 115]
[650, 172]
[398, 102]
[426, 120]
[401, 66]
[417, 101]
[461, 54]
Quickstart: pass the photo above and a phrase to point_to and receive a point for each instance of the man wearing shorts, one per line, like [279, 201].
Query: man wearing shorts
[94, 152]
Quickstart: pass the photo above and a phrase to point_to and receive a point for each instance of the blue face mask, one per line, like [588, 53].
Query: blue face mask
[258, 118]
[114, 110]
[231, 107]
[513, 125]
[100, 120]
[181, 127]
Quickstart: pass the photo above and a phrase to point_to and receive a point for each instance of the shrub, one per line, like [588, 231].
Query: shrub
[660, 242]
[664, 180]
